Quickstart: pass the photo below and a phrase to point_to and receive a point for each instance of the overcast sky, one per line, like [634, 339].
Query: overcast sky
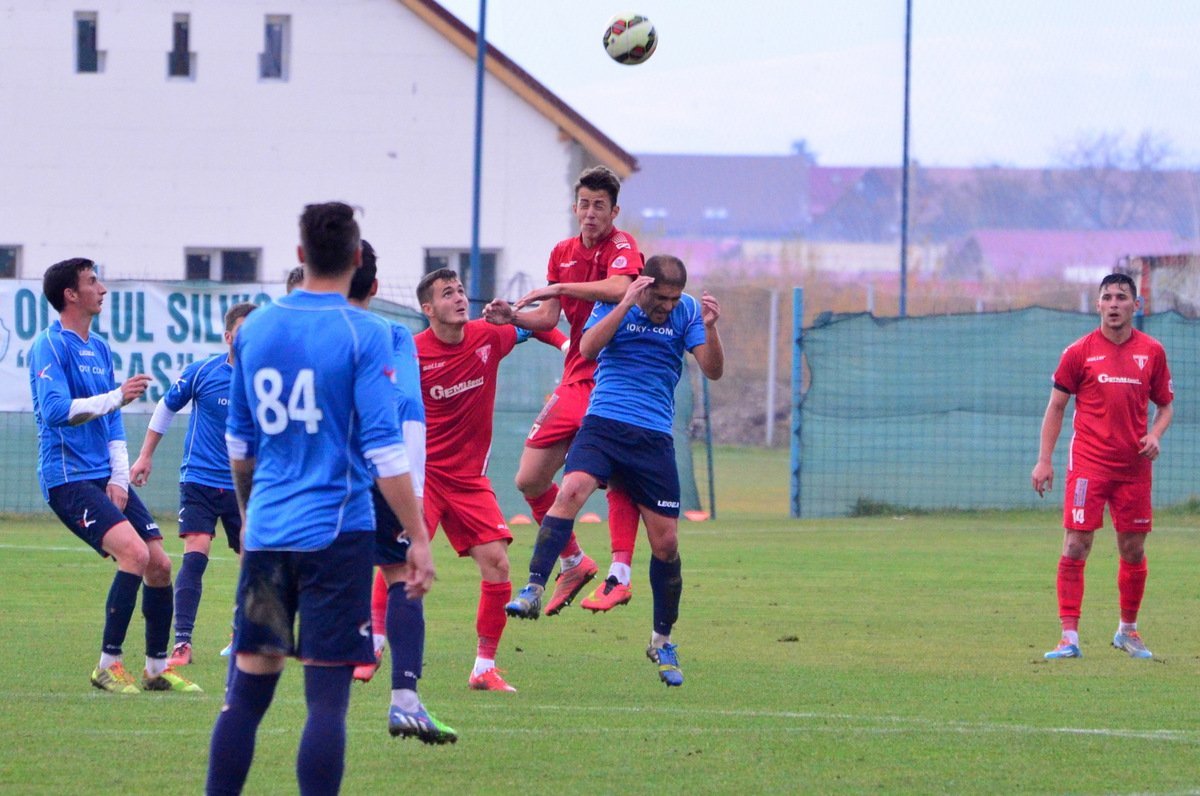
[1007, 82]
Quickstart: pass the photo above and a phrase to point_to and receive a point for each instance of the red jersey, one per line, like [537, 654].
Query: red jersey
[1112, 385]
[458, 385]
[571, 261]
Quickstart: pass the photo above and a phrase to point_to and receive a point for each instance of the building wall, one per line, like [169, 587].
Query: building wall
[129, 167]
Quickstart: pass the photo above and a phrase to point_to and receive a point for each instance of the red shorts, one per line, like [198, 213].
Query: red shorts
[470, 517]
[1128, 504]
[562, 415]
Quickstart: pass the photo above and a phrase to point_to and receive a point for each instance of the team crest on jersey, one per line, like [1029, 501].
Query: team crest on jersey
[1140, 359]
[390, 372]
[44, 373]
[484, 352]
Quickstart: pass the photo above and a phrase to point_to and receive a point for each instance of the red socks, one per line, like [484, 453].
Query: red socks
[379, 592]
[1131, 585]
[1070, 591]
[490, 618]
[623, 516]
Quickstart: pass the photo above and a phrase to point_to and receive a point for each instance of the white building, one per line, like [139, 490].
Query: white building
[181, 139]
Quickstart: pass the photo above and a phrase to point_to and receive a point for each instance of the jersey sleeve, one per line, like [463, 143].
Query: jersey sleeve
[408, 376]
[694, 333]
[1162, 388]
[116, 426]
[599, 311]
[625, 258]
[50, 387]
[239, 423]
[374, 391]
[184, 388]
[506, 337]
[1067, 375]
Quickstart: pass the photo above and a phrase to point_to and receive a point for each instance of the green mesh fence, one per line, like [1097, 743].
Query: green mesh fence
[944, 412]
[527, 376]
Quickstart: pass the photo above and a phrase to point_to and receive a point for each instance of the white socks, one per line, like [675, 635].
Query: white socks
[621, 572]
[155, 666]
[482, 665]
[107, 660]
[567, 562]
[406, 699]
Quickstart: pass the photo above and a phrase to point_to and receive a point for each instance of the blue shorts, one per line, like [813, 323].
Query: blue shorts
[201, 506]
[391, 546]
[329, 589]
[642, 461]
[84, 507]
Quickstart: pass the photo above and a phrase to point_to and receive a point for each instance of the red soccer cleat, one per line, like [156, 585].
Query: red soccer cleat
[608, 595]
[364, 672]
[181, 655]
[569, 583]
[489, 681]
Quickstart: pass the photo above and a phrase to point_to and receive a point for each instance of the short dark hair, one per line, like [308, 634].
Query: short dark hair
[599, 178]
[329, 235]
[238, 311]
[1119, 279]
[294, 278]
[64, 276]
[666, 270]
[425, 286]
[364, 275]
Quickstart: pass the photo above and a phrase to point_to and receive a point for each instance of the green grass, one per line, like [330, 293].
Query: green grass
[873, 654]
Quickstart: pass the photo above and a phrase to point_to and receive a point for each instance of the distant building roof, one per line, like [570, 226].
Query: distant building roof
[717, 195]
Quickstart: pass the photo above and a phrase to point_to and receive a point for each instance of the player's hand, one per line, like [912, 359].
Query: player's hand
[637, 288]
[1149, 447]
[139, 474]
[117, 495]
[499, 312]
[419, 575]
[539, 294]
[133, 388]
[710, 309]
[1042, 478]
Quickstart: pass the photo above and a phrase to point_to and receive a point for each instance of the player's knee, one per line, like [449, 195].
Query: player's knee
[158, 569]
[132, 557]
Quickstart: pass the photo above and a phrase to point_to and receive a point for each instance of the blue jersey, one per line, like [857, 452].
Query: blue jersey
[205, 384]
[311, 391]
[63, 366]
[408, 375]
[637, 371]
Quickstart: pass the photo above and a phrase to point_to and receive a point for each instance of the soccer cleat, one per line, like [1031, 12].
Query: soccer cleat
[489, 681]
[365, 671]
[569, 583]
[114, 679]
[225, 653]
[608, 595]
[1132, 643]
[169, 680]
[419, 724]
[668, 663]
[1065, 649]
[527, 604]
[181, 655]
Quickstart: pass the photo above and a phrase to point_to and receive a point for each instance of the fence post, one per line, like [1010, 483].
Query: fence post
[772, 352]
[797, 385]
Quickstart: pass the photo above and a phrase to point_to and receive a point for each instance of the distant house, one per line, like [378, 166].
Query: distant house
[1022, 254]
[182, 142]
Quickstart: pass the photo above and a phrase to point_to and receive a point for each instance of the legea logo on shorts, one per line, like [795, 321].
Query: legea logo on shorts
[668, 504]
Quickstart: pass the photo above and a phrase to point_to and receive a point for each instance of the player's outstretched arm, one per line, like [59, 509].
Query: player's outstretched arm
[1043, 472]
[602, 331]
[609, 290]
[710, 355]
[541, 318]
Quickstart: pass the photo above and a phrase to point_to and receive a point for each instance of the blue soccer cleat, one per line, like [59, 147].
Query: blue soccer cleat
[1065, 649]
[1131, 643]
[420, 724]
[668, 663]
[527, 604]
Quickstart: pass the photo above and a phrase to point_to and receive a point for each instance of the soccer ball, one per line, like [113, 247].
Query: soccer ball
[630, 39]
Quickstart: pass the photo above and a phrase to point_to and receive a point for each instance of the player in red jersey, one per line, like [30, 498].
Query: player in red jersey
[596, 265]
[459, 360]
[1114, 373]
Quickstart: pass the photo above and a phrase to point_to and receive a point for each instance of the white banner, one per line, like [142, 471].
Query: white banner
[152, 327]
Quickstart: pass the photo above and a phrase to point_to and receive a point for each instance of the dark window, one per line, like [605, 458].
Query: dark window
[9, 259]
[87, 57]
[239, 266]
[273, 60]
[199, 266]
[179, 59]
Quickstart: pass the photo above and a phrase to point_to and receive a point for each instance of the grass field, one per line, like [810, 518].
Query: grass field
[891, 654]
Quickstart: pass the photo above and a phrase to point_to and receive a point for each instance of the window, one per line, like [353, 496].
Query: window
[10, 261]
[460, 261]
[273, 61]
[180, 61]
[716, 213]
[88, 59]
[236, 265]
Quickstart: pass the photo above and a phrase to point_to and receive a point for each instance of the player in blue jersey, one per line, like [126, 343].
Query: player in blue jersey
[205, 483]
[311, 402]
[83, 468]
[400, 620]
[639, 345]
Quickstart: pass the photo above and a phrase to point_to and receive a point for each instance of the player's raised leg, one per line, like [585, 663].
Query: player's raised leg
[666, 584]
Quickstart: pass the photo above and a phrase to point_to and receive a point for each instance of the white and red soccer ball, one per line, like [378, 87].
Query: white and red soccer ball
[630, 39]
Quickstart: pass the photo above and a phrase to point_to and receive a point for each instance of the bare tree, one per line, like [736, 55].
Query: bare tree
[1109, 183]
